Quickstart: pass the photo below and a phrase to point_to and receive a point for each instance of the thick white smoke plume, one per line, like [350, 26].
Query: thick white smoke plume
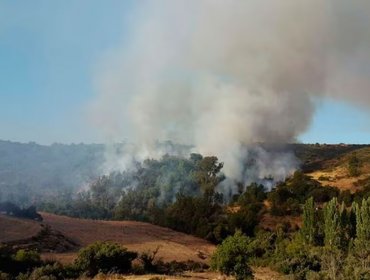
[221, 75]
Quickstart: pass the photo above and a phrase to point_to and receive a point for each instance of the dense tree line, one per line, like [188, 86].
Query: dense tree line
[174, 192]
[12, 209]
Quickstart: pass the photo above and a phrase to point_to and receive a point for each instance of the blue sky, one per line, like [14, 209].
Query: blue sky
[48, 51]
[338, 122]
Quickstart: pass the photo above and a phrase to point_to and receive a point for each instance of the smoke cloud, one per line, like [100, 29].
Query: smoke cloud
[221, 75]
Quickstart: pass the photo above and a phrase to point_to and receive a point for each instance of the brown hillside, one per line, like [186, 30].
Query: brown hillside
[136, 236]
[12, 228]
[334, 172]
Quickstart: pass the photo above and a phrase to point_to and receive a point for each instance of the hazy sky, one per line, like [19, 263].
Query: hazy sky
[49, 53]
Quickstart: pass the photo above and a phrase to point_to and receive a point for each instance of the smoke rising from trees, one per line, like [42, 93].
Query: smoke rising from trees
[222, 75]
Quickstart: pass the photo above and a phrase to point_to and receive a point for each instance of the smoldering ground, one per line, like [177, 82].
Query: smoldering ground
[221, 75]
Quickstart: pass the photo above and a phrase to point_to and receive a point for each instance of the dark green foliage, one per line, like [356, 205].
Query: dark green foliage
[332, 225]
[346, 197]
[362, 240]
[231, 257]
[300, 264]
[343, 254]
[250, 205]
[158, 182]
[200, 216]
[354, 166]
[308, 230]
[104, 257]
[20, 261]
[28, 212]
[147, 259]
[246, 219]
[291, 255]
[206, 173]
[254, 194]
[287, 197]
[54, 271]
[363, 221]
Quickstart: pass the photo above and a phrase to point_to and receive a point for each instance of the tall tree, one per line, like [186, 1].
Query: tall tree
[362, 241]
[354, 165]
[331, 224]
[308, 229]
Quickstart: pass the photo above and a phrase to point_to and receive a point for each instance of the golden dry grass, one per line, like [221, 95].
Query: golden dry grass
[12, 228]
[136, 236]
[337, 176]
[260, 273]
[335, 171]
[189, 275]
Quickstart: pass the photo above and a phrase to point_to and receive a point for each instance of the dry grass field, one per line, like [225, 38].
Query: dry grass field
[335, 171]
[12, 229]
[260, 273]
[135, 236]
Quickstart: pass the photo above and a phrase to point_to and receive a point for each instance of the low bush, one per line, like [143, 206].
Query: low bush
[104, 257]
[231, 257]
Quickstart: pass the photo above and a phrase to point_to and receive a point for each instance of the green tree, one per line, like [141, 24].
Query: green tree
[362, 241]
[335, 225]
[308, 229]
[231, 257]
[207, 173]
[331, 224]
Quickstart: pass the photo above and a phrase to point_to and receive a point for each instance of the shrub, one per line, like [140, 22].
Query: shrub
[231, 257]
[4, 276]
[31, 257]
[50, 271]
[24, 261]
[354, 165]
[147, 259]
[104, 257]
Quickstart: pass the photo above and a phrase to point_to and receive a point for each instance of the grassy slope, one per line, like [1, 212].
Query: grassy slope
[136, 236]
[334, 172]
[15, 228]
[259, 274]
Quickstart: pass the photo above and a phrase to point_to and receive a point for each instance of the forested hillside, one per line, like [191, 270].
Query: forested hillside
[28, 170]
